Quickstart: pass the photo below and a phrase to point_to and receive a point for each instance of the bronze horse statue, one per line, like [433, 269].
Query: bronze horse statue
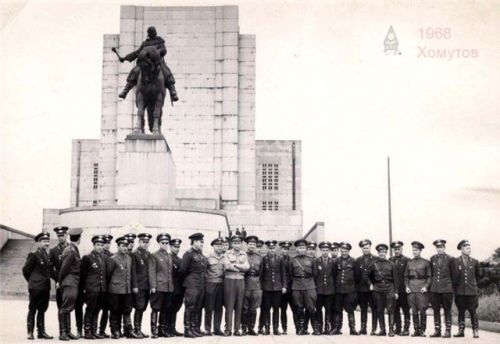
[150, 90]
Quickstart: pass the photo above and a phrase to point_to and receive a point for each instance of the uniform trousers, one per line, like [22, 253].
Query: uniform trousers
[287, 300]
[234, 291]
[271, 299]
[438, 301]
[467, 303]
[402, 304]
[383, 301]
[214, 299]
[177, 300]
[120, 305]
[326, 302]
[68, 300]
[251, 301]
[38, 301]
[365, 299]
[162, 302]
[141, 300]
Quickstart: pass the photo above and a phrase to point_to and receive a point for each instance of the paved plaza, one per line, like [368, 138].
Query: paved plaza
[13, 330]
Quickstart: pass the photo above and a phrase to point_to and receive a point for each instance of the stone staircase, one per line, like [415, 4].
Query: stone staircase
[12, 258]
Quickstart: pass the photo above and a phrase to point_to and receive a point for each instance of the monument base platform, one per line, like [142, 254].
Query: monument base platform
[146, 172]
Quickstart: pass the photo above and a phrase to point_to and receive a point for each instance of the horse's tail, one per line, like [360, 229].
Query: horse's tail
[151, 116]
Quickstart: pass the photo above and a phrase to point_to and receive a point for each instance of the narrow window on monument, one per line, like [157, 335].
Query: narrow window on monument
[96, 175]
[264, 176]
[276, 181]
[276, 205]
[264, 205]
[94, 203]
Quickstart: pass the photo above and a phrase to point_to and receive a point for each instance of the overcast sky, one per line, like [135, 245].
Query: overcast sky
[323, 78]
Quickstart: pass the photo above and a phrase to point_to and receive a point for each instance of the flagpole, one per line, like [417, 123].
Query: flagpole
[389, 200]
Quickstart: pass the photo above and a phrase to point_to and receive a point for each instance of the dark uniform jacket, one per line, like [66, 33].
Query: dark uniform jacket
[325, 284]
[362, 264]
[382, 274]
[161, 271]
[303, 269]
[345, 275]
[289, 279]
[93, 272]
[140, 266]
[466, 274]
[119, 274]
[176, 261]
[254, 274]
[55, 256]
[193, 268]
[417, 274]
[400, 264]
[69, 276]
[274, 273]
[38, 270]
[441, 266]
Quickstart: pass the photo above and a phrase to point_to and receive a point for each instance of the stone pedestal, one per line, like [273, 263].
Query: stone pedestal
[146, 172]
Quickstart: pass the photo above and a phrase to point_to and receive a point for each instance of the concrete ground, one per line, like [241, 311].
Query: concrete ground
[13, 329]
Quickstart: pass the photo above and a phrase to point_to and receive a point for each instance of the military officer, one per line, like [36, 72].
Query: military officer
[287, 299]
[417, 281]
[260, 247]
[274, 284]
[466, 276]
[55, 256]
[225, 244]
[37, 271]
[346, 279]
[382, 278]
[93, 277]
[121, 283]
[400, 262]
[178, 296]
[69, 280]
[140, 266]
[335, 250]
[304, 270]
[193, 268]
[365, 297]
[334, 255]
[253, 290]
[325, 287]
[106, 253]
[311, 252]
[214, 289]
[131, 241]
[235, 266]
[161, 281]
[441, 290]
[261, 250]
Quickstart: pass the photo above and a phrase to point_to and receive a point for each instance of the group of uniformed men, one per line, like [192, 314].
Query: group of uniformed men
[317, 289]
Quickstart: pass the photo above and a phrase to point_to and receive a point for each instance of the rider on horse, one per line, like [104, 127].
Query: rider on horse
[156, 41]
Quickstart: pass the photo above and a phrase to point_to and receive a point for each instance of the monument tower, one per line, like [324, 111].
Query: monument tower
[208, 172]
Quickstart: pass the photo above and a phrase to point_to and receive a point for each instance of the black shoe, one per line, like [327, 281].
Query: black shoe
[63, 337]
[284, 332]
[261, 331]
[435, 334]
[373, 333]
[227, 333]
[30, 336]
[447, 334]
[208, 334]
[115, 335]
[354, 333]
[391, 333]
[276, 332]
[381, 334]
[98, 336]
[251, 332]
[267, 331]
[405, 333]
[218, 333]
[72, 336]
[104, 334]
[188, 333]
[88, 336]
[416, 334]
[475, 334]
[238, 333]
[44, 335]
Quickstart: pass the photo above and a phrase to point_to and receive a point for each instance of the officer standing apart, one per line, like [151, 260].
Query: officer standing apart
[382, 278]
[55, 256]
[178, 296]
[365, 297]
[214, 290]
[162, 286]
[69, 280]
[400, 262]
[304, 270]
[346, 279]
[140, 266]
[325, 287]
[193, 268]
[466, 276]
[37, 271]
[253, 290]
[235, 266]
[106, 253]
[121, 283]
[274, 284]
[286, 299]
[441, 291]
[417, 282]
[93, 277]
